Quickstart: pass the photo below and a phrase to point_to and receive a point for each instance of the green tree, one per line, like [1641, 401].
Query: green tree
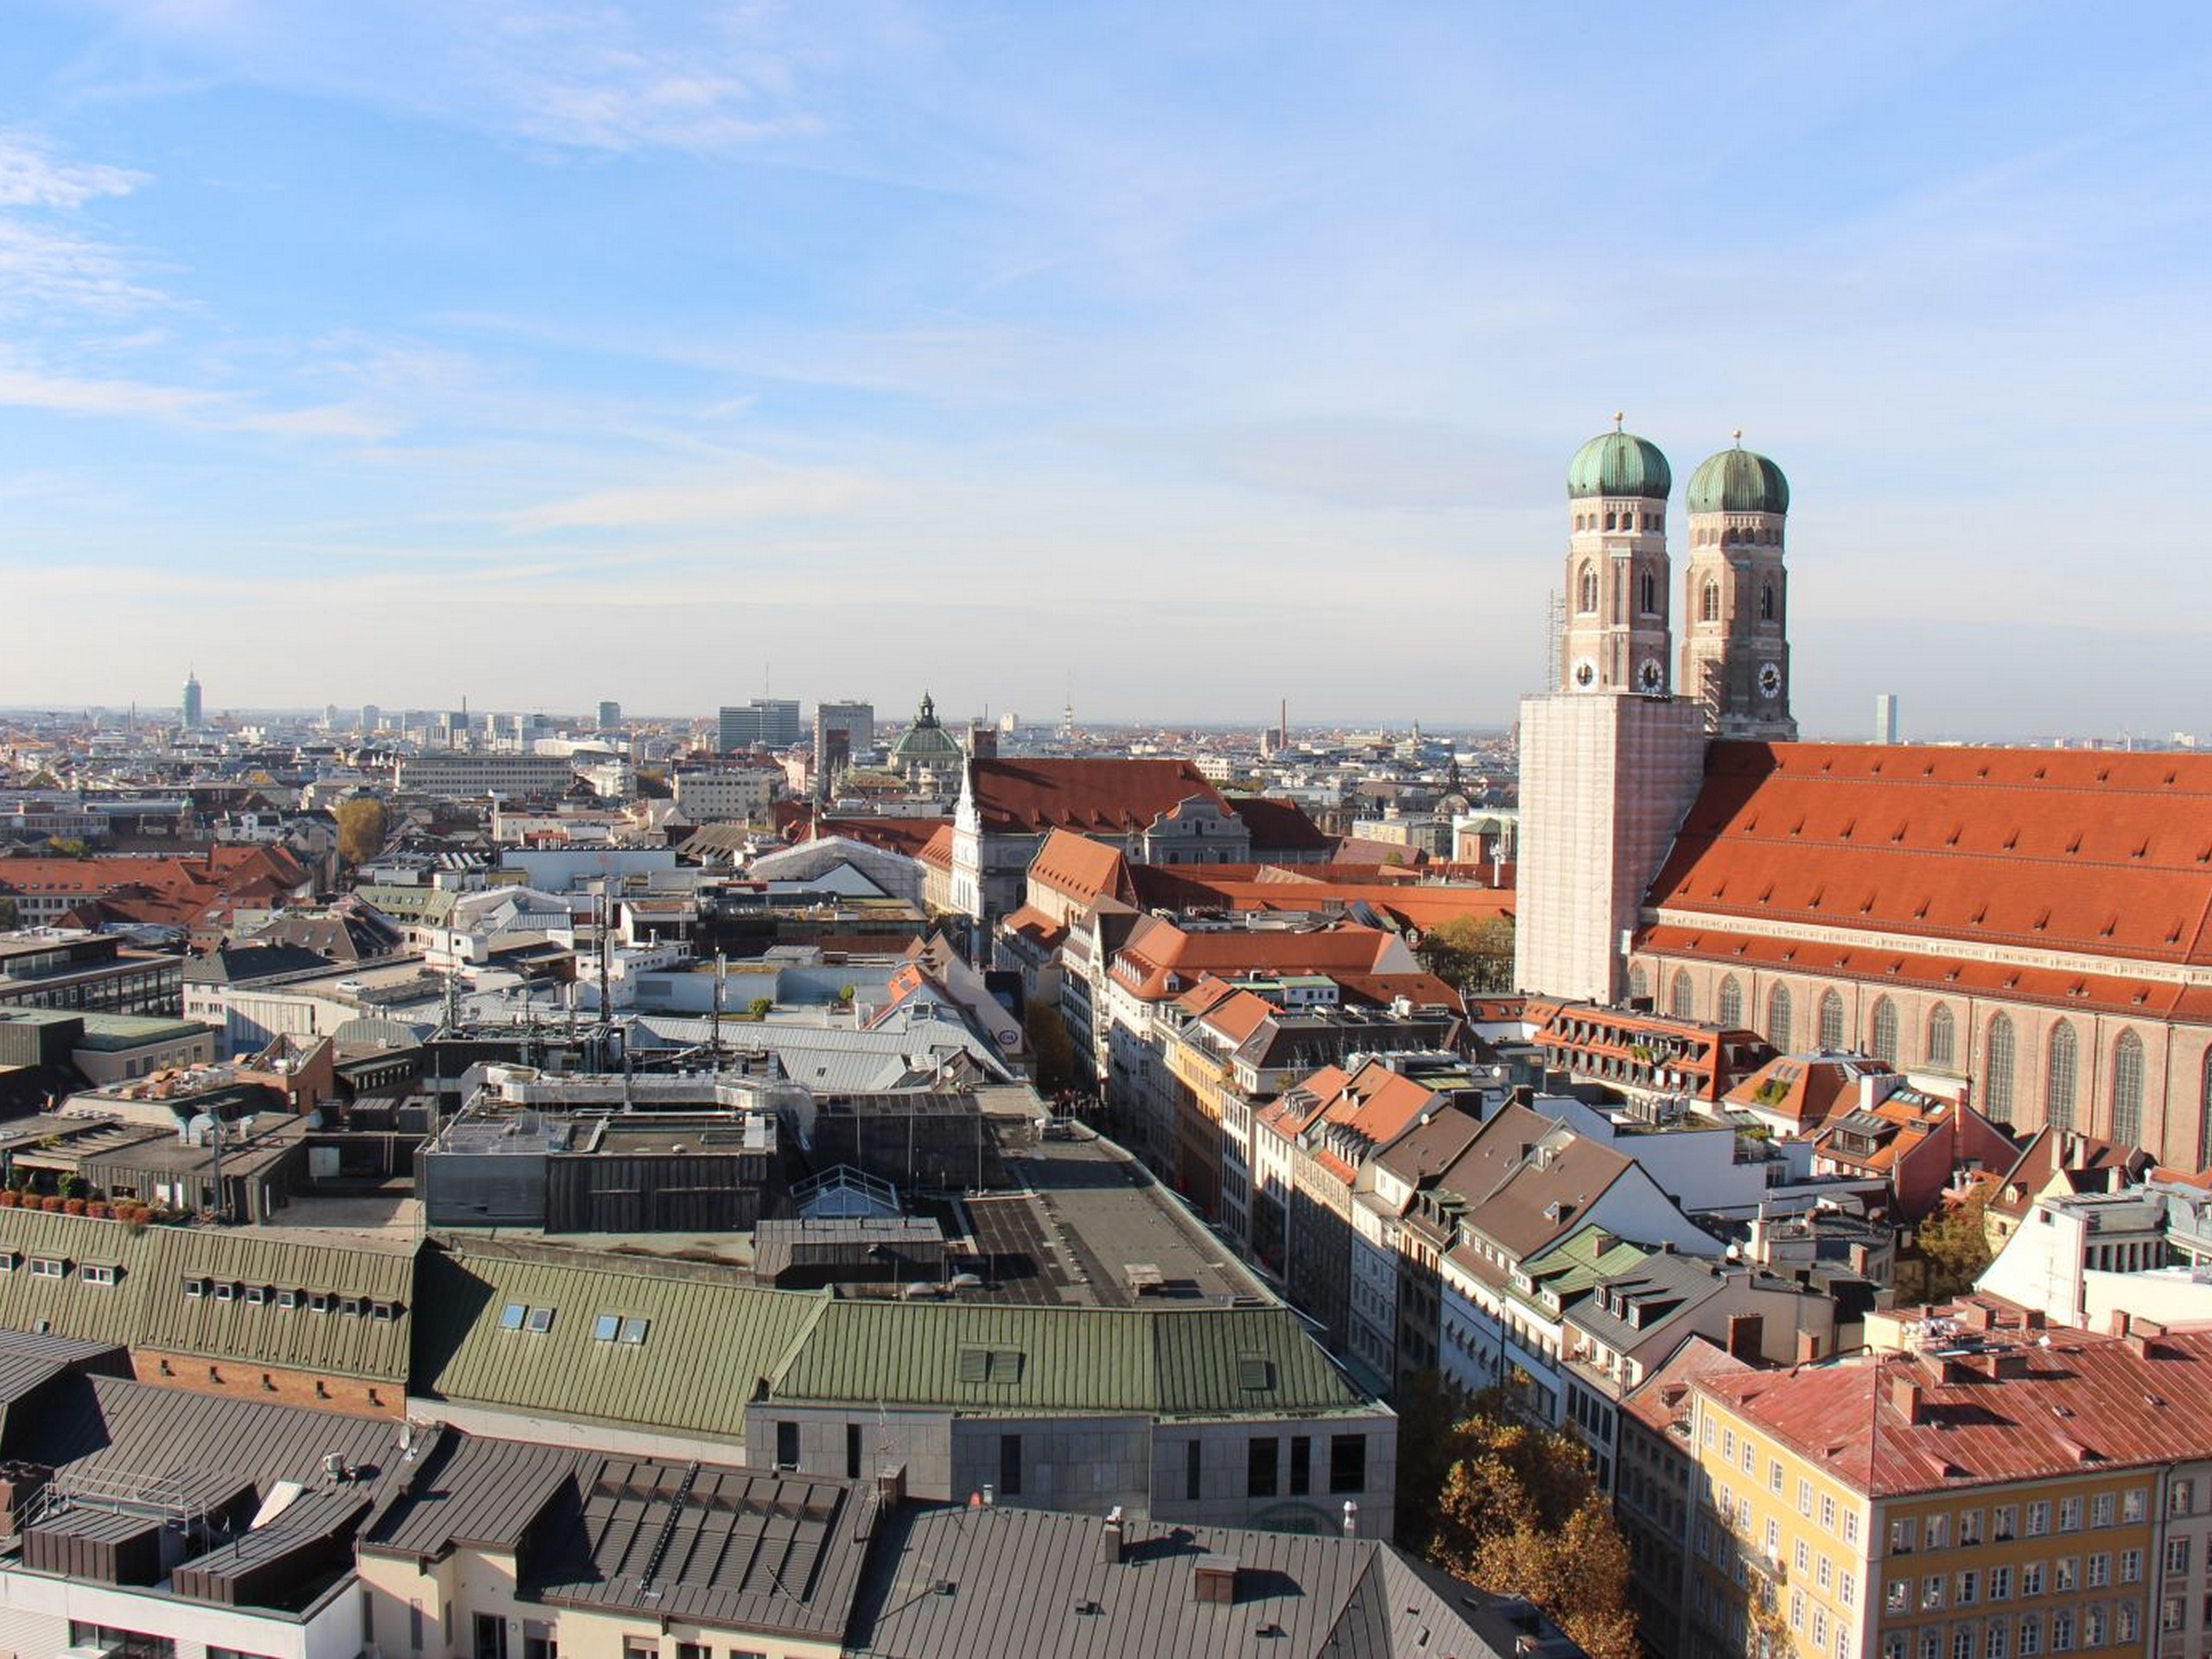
[1953, 1246]
[653, 785]
[759, 1007]
[1473, 954]
[65, 847]
[362, 827]
[7, 911]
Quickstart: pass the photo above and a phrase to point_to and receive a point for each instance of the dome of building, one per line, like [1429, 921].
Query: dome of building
[1619, 463]
[925, 744]
[1738, 481]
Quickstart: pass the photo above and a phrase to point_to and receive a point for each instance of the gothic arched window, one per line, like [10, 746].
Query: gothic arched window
[2128, 1090]
[2058, 1077]
[1639, 987]
[1682, 1001]
[1728, 1011]
[1886, 1032]
[1831, 1023]
[1777, 1020]
[1650, 594]
[1940, 1036]
[1708, 602]
[1998, 1066]
[1585, 588]
[1766, 601]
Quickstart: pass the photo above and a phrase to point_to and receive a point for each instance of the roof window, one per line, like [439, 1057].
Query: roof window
[634, 1329]
[990, 1365]
[540, 1320]
[1255, 1371]
[513, 1315]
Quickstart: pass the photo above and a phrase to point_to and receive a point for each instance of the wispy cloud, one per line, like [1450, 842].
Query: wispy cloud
[780, 494]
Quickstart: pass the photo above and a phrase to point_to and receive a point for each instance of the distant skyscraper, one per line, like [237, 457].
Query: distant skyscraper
[770, 722]
[1885, 718]
[190, 710]
[610, 716]
[844, 733]
[371, 717]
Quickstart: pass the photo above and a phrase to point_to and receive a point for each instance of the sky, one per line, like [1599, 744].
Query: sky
[1171, 359]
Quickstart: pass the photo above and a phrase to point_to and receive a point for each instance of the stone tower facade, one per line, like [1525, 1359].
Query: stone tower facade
[1735, 659]
[1618, 636]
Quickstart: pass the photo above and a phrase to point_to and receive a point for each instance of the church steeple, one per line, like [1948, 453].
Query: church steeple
[1736, 596]
[1617, 639]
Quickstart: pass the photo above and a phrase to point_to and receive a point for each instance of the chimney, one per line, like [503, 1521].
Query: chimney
[1214, 1579]
[2032, 1319]
[1746, 1336]
[1111, 1540]
[1904, 1396]
[1352, 1519]
[891, 1486]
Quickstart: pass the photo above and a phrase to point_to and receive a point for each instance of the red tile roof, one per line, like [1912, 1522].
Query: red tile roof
[2082, 1404]
[1158, 950]
[936, 851]
[1103, 796]
[2108, 855]
[1082, 868]
[1278, 826]
[906, 837]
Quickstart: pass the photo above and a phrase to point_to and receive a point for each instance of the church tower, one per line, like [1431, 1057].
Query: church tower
[1610, 760]
[1617, 638]
[1736, 597]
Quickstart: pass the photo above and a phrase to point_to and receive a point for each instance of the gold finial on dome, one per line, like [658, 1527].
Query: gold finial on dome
[1739, 436]
[1619, 418]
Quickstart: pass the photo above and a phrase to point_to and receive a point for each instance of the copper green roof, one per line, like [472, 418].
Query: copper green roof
[1738, 481]
[1619, 463]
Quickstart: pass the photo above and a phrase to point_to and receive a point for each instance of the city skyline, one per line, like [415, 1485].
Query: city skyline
[869, 338]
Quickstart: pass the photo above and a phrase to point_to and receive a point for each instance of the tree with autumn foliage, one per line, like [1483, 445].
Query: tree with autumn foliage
[1951, 1247]
[1514, 1509]
[362, 826]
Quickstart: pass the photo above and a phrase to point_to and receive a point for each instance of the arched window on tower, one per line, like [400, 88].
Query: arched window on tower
[1728, 1010]
[1682, 1001]
[2058, 1077]
[1886, 1032]
[1766, 601]
[1708, 602]
[1586, 590]
[1831, 1023]
[1941, 1037]
[1998, 1064]
[1778, 1018]
[1650, 594]
[2128, 1090]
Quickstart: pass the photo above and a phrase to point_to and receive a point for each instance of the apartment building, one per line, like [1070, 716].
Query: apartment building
[1997, 1491]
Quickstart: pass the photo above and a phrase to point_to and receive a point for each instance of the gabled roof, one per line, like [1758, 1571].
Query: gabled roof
[1278, 826]
[1080, 869]
[2085, 1163]
[1160, 958]
[2107, 854]
[1105, 796]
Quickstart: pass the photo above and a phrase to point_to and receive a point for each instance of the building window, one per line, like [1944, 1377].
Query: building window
[1708, 603]
[1010, 1465]
[1886, 1032]
[1766, 602]
[2031, 1579]
[1941, 1036]
[1999, 1065]
[1682, 1001]
[1193, 1463]
[2058, 1077]
[538, 1641]
[1347, 1463]
[786, 1444]
[1260, 1457]
[1778, 1018]
[491, 1637]
[1831, 1022]
[1586, 590]
[2128, 1090]
[1301, 1464]
[1728, 1007]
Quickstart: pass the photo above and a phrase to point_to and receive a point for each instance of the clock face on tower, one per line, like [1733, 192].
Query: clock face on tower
[1650, 677]
[1585, 674]
[1769, 680]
